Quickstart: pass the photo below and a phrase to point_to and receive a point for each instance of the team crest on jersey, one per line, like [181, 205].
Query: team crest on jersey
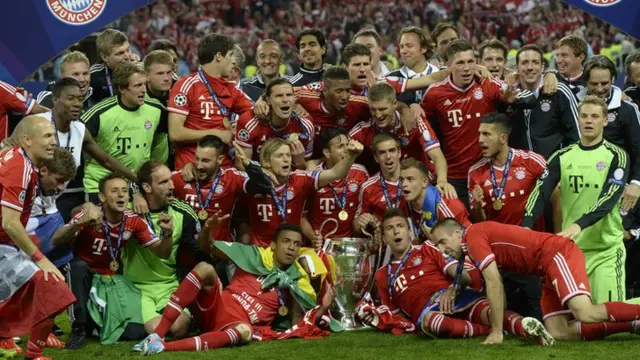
[417, 261]
[545, 173]
[243, 135]
[22, 196]
[126, 235]
[478, 94]
[611, 117]
[520, 174]
[601, 165]
[180, 99]
[77, 12]
[342, 120]
[147, 125]
[290, 194]
[353, 187]
[623, 212]
[603, 2]
[545, 105]
[219, 189]
[404, 141]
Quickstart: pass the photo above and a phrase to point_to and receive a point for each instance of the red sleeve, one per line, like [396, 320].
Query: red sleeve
[245, 135]
[144, 233]
[437, 257]
[16, 178]
[535, 163]
[178, 184]
[179, 99]
[242, 103]
[398, 83]
[428, 137]
[238, 181]
[479, 249]
[383, 290]
[494, 88]
[13, 100]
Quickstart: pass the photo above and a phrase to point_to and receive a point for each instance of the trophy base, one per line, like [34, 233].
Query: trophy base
[348, 321]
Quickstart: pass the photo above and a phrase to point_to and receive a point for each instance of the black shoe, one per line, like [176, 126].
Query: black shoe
[76, 340]
[57, 331]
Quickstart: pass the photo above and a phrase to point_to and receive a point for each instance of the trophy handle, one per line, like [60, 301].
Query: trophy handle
[328, 245]
[369, 286]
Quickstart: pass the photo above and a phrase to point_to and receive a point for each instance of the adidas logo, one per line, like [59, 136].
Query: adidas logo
[581, 286]
[202, 98]
[116, 129]
[187, 186]
[487, 183]
[570, 167]
[447, 103]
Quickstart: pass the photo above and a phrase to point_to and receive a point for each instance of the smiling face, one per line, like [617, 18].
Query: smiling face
[281, 101]
[568, 63]
[448, 241]
[383, 113]
[396, 234]
[207, 162]
[530, 68]
[286, 247]
[311, 52]
[40, 140]
[115, 195]
[463, 66]
[600, 82]
[269, 58]
[78, 70]
[136, 90]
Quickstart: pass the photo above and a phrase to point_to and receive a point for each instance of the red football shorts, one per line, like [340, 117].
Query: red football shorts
[566, 277]
[216, 310]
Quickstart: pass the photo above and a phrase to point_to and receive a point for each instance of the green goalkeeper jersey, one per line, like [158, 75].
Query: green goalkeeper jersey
[591, 182]
[125, 133]
[143, 267]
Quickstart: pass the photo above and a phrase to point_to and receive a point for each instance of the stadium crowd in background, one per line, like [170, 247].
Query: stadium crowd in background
[178, 175]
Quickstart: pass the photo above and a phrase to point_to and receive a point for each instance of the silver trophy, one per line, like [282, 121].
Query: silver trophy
[356, 263]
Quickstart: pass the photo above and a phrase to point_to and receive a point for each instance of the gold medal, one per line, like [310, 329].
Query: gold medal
[203, 214]
[497, 205]
[114, 266]
[293, 137]
[283, 310]
[343, 215]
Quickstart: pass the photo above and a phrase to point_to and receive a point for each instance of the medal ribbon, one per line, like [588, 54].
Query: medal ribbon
[457, 279]
[281, 204]
[342, 200]
[55, 131]
[205, 81]
[38, 184]
[113, 253]
[392, 279]
[498, 192]
[109, 85]
[151, 225]
[204, 205]
[387, 197]
[305, 134]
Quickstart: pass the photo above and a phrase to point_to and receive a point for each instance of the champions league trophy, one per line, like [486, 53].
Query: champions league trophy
[356, 263]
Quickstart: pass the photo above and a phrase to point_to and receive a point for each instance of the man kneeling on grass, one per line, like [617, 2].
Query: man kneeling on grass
[418, 282]
[267, 283]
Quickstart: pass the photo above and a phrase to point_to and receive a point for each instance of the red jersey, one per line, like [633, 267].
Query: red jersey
[18, 186]
[230, 185]
[322, 205]
[263, 211]
[399, 84]
[446, 208]
[92, 247]
[526, 168]
[11, 100]
[457, 113]
[357, 110]
[252, 133]
[373, 200]
[422, 276]
[416, 144]
[512, 247]
[260, 305]
[190, 97]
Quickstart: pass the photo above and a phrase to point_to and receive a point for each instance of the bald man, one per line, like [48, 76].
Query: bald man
[33, 168]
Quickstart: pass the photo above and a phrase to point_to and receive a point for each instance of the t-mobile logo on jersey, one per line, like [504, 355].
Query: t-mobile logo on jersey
[400, 284]
[207, 109]
[455, 117]
[327, 205]
[265, 212]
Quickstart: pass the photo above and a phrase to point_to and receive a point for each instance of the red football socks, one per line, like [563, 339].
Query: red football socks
[181, 298]
[204, 342]
[513, 324]
[38, 338]
[446, 327]
[597, 331]
[619, 311]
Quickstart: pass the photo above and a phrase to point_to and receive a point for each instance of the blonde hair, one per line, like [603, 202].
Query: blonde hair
[381, 91]
[594, 100]
[108, 39]
[74, 57]
[270, 147]
[158, 57]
